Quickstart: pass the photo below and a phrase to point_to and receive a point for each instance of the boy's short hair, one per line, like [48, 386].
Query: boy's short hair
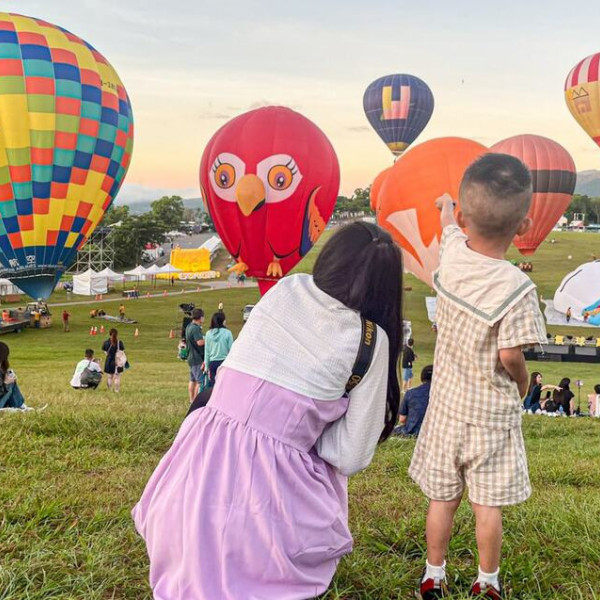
[495, 194]
[197, 314]
[89, 353]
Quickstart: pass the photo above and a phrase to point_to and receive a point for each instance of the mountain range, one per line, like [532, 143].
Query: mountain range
[588, 183]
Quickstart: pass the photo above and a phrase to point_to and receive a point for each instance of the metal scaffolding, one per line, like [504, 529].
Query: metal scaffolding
[98, 252]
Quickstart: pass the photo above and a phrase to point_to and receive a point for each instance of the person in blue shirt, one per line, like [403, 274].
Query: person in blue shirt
[414, 405]
[218, 343]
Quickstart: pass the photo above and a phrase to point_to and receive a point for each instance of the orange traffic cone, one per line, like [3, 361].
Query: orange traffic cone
[171, 334]
[92, 330]
[137, 332]
[101, 328]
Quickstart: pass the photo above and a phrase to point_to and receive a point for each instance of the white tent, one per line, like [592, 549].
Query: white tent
[169, 268]
[110, 275]
[89, 283]
[153, 270]
[139, 272]
[8, 288]
[579, 290]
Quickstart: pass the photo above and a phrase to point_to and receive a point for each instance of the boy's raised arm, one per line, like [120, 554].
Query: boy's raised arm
[445, 205]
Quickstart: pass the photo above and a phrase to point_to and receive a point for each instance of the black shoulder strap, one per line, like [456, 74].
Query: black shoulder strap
[364, 358]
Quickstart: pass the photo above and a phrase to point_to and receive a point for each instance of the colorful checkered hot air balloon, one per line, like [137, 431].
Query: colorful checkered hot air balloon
[582, 93]
[398, 108]
[66, 136]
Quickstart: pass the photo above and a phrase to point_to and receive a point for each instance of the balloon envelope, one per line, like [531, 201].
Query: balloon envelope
[398, 108]
[67, 137]
[582, 94]
[553, 176]
[407, 199]
[269, 179]
[376, 188]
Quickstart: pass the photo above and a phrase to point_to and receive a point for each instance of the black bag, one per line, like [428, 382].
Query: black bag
[90, 378]
[363, 361]
[550, 406]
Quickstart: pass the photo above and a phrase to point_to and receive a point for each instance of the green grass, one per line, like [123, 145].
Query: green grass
[70, 475]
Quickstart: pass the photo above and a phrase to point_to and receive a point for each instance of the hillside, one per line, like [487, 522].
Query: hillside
[588, 183]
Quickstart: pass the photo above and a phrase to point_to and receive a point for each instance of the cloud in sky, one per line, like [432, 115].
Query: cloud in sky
[189, 66]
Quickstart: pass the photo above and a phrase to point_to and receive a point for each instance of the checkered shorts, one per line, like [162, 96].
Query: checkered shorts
[451, 454]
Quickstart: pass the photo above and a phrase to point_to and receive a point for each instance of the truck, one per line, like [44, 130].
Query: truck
[35, 314]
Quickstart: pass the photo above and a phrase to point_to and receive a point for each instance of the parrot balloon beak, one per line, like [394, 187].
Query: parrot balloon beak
[250, 194]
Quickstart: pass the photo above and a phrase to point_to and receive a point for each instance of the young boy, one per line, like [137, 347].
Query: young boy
[487, 309]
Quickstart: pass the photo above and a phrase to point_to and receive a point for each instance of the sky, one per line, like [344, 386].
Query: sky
[496, 69]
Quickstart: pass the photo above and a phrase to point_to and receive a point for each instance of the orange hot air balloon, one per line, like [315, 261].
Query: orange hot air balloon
[407, 199]
[582, 94]
[553, 176]
[376, 188]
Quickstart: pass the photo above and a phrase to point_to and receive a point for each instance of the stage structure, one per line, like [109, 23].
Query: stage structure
[98, 253]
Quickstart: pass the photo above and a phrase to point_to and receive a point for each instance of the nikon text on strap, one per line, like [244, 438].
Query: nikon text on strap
[364, 357]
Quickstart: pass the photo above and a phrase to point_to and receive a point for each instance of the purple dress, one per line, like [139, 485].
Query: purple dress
[241, 507]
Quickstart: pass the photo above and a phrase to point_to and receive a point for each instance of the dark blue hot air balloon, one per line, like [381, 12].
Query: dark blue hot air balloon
[398, 108]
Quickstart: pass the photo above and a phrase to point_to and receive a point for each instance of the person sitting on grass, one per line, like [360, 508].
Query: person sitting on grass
[533, 403]
[487, 310]
[10, 394]
[414, 406]
[88, 373]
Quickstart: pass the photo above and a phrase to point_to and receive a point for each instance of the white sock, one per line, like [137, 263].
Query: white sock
[433, 572]
[489, 578]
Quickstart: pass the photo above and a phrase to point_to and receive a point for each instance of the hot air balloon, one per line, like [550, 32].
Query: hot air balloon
[376, 188]
[67, 137]
[407, 199]
[553, 176]
[582, 93]
[398, 108]
[269, 179]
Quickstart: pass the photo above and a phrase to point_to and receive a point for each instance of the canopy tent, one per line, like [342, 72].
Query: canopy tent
[8, 288]
[580, 291]
[109, 274]
[89, 283]
[168, 269]
[153, 270]
[139, 272]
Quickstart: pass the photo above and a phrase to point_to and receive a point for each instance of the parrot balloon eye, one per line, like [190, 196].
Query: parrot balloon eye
[226, 171]
[282, 175]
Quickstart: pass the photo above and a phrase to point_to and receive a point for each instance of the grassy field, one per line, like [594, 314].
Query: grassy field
[70, 475]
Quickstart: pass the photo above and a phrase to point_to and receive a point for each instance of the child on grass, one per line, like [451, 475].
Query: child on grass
[487, 310]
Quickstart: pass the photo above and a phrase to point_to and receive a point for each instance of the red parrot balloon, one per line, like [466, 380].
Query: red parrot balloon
[407, 198]
[554, 176]
[269, 179]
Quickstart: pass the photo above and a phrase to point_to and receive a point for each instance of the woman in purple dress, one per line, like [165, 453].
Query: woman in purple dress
[250, 502]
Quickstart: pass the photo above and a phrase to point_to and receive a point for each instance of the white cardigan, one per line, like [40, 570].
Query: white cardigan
[303, 340]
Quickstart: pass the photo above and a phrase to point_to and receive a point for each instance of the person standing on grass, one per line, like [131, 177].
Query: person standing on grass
[65, 319]
[218, 343]
[194, 341]
[111, 347]
[408, 358]
[251, 499]
[122, 312]
[487, 311]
